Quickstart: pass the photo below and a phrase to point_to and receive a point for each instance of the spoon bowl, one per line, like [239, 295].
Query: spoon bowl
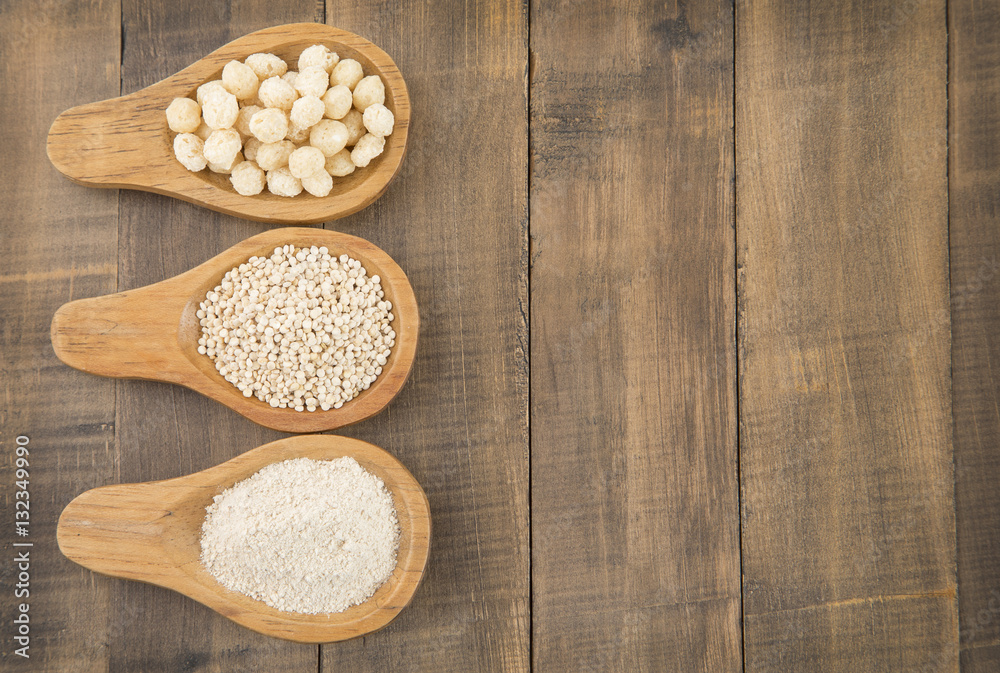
[125, 142]
[152, 332]
[151, 532]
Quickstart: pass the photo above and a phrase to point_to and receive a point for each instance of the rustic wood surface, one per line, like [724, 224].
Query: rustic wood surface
[763, 427]
[152, 332]
[974, 204]
[635, 512]
[844, 334]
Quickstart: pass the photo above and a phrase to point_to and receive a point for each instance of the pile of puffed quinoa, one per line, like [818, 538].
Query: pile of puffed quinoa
[301, 329]
[265, 124]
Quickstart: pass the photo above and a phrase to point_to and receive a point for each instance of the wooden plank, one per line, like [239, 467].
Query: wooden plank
[455, 220]
[982, 656]
[634, 483]
[872, 634]
[974, 215]
[845, 407]
[58, 242]
[166, 431]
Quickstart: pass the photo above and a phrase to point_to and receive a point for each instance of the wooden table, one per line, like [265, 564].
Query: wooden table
[710, 302]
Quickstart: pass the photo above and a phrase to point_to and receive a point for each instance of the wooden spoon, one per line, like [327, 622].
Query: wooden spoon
[125, 142]
[151, 532]
[152, 332]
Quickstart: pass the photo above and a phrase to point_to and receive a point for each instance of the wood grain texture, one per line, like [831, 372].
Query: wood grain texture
[57, 243]
[151, 532]
[167, 431]
[456, 220]
[873, 634]
[974, 215]
[125, 142]
[152, 332]
[634, 490]
[845, 406]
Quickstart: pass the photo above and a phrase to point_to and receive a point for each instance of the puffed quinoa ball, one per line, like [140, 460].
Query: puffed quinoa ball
[307, 111]
[369, 91]
[274, 155]
[318, 184]
[367, 149]
[318, 55]
[305, 161]
[312, 82]
[266, 65]
[207, 88]
[183, 115]
[328, 136]
[355, 124]
[220, 109]
[226, 169]
[269, 125]
[348, 72]
[327, 343]
[223, 146]
[340, 164]
[247, 178]
[298, 134]
[243, 120]
[251, 122]
[378, 120]
[276, 92]
[190, 151]
[240, 80]
[281, 182]
[203, 131]
[337, 101]
[250, 148]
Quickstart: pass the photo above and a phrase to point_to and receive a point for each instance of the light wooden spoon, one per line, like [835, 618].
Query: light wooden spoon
[152, 332]
[125, 142]
[151, 532]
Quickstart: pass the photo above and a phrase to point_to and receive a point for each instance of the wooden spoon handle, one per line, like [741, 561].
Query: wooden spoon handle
[119, 530]
[130, 334]
[106, 144]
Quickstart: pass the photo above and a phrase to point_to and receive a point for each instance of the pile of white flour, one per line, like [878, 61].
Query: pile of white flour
[303, 535]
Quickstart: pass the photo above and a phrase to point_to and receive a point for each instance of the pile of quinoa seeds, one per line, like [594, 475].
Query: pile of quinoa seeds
[300, 329]
[303, 535]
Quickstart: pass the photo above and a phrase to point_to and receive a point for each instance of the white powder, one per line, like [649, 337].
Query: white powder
[303, 535]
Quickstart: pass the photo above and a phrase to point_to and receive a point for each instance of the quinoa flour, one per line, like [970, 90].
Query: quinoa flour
[303, 535]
